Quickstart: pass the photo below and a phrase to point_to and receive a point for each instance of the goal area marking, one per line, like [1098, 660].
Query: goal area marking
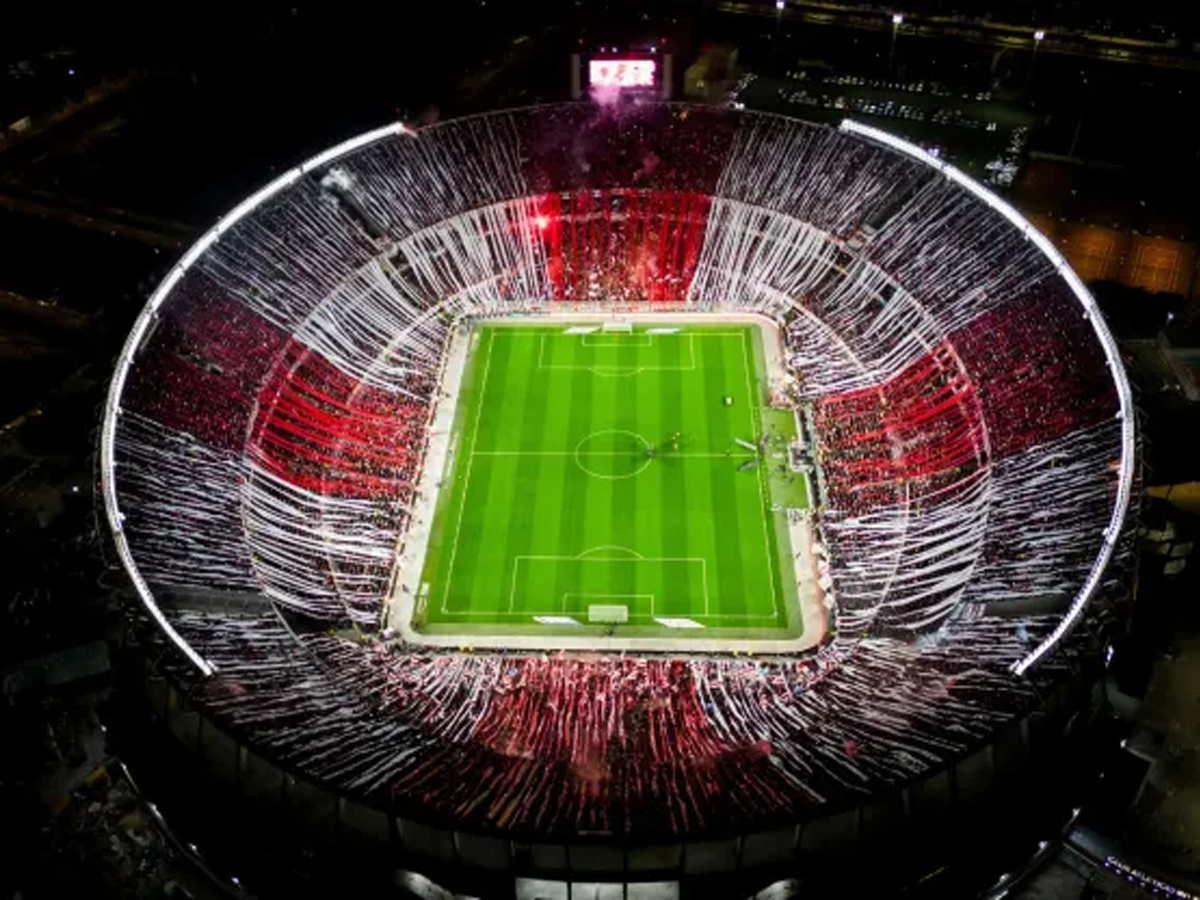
[616, 339]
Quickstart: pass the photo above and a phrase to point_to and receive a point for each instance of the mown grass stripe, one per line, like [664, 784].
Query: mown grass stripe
[651, 510]
[753, 509]
[545, 505]
[759, 595]
[683, 590]
[574, 420]
[725, 582]
[598, 528]
[466, 536]
[527, 510]
[505, 523]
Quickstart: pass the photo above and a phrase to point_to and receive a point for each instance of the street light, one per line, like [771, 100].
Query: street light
[897, 19]
[1038, 37]
[779, 5]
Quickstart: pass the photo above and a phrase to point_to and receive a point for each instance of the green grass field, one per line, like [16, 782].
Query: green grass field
[566, 488]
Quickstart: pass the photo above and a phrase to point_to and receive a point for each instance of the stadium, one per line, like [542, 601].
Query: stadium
[642, 492]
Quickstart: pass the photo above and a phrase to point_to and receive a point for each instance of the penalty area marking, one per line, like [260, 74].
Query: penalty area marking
[615, 371]
[633, 554]
[500, 613]
[533, 560]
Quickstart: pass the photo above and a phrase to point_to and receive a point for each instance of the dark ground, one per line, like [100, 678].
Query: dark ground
[204, 105]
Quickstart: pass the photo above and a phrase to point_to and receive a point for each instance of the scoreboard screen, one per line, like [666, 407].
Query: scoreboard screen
[621, 73]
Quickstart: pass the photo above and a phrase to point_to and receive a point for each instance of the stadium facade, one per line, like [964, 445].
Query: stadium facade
[267, 422]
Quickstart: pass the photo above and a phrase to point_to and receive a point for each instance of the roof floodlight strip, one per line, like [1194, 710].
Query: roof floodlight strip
[1128, 438]
[141, 327]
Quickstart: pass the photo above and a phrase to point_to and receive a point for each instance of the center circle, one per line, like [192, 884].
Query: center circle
[613, 454]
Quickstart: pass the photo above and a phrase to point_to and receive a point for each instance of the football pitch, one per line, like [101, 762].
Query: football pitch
[595, 484]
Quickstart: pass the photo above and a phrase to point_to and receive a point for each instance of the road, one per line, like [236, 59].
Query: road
[990, 33]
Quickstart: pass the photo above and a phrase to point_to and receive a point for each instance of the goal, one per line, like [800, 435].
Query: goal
[608, 613]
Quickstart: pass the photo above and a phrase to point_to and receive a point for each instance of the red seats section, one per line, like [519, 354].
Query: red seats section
[202, 366]
[623, 246]
[921, 430]
[324, 431]
[1040, 370]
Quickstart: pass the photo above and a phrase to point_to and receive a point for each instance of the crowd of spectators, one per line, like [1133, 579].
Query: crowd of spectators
[256, 258]
[276, 420]
[1021, 394]
[1040, 370]
[622, 245]
[815, 174]
[656, 147]
[957, 256]
[564, 744]
[1042, 536]
[218, 386]
[181, 505]
[327, 432]
[919, 431]
[200, 371]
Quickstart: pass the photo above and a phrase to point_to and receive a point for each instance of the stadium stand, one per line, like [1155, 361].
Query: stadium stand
[273, 421]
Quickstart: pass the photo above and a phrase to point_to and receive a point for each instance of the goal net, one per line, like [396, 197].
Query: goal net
[608, 613]
[619, 327]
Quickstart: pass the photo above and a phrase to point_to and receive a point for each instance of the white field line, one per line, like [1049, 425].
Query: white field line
[755, 425]
[613, 371]
[512, 590]
[594, 596]
[566, 599]
[741, 455]
[764, 511]
[616, 340]
[493, 614]
[487, 366]
[401, 607]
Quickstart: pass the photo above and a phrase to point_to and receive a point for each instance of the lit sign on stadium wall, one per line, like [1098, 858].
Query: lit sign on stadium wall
[621, 73]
